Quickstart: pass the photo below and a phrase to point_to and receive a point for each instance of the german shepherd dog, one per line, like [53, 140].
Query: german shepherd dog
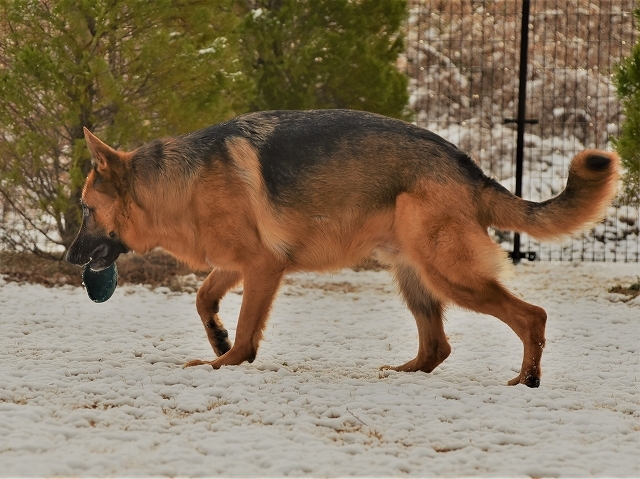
[271, 193]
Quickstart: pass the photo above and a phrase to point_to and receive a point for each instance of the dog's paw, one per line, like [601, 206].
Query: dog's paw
[409, 367]
[529, 381]
[415, 365]
[197, 362]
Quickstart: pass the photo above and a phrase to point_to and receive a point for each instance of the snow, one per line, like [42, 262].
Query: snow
[98, 390]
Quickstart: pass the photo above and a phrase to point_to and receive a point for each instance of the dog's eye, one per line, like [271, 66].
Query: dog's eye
[87, 210]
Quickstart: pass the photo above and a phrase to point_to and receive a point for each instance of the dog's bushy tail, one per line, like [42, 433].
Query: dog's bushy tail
[591, 186]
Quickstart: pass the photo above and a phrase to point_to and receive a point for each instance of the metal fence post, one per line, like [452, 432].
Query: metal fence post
[521, 120]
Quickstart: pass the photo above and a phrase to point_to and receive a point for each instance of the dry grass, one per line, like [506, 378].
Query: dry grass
[29, 268]
[633, 290]
[155, 269]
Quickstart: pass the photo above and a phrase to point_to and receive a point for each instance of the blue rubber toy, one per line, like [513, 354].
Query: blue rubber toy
[100, 285]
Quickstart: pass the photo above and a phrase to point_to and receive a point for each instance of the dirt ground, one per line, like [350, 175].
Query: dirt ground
[154, 269]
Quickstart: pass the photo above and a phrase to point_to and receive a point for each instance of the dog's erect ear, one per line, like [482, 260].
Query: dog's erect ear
[103, 158]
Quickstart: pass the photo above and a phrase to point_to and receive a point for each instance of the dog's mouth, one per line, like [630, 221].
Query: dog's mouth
[103, 252]
[100, 259]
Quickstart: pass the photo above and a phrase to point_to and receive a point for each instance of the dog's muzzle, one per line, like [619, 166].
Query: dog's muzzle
[99, 252]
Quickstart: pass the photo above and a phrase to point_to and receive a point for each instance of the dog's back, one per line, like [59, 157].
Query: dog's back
[304, 153]
[319, 157]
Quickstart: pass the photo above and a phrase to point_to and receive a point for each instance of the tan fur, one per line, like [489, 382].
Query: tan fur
[559, 219]
[271, 227]
[432, 232]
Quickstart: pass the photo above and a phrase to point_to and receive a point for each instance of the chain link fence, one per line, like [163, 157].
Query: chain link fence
[463, 61]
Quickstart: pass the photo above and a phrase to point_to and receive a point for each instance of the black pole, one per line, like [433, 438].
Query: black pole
[522, 112]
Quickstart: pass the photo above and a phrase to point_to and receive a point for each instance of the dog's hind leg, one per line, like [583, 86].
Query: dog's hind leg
[433, 347]
[458, 261]
[526, 320]
[212, 290]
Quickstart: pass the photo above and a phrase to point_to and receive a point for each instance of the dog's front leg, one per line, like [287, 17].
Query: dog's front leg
[212, 290]
[260, 287]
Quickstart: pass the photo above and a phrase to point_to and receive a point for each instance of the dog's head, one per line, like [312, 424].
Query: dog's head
[99, 241]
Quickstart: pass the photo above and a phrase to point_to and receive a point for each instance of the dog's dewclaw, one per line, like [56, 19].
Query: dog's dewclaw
[100, 285]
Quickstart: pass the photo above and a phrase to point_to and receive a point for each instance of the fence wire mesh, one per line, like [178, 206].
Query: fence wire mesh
[463, 60]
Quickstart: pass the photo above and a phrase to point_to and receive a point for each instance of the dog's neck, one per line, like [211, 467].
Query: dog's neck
[166, 227]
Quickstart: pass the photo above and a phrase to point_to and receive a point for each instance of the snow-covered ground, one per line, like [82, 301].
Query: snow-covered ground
[98, 389]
